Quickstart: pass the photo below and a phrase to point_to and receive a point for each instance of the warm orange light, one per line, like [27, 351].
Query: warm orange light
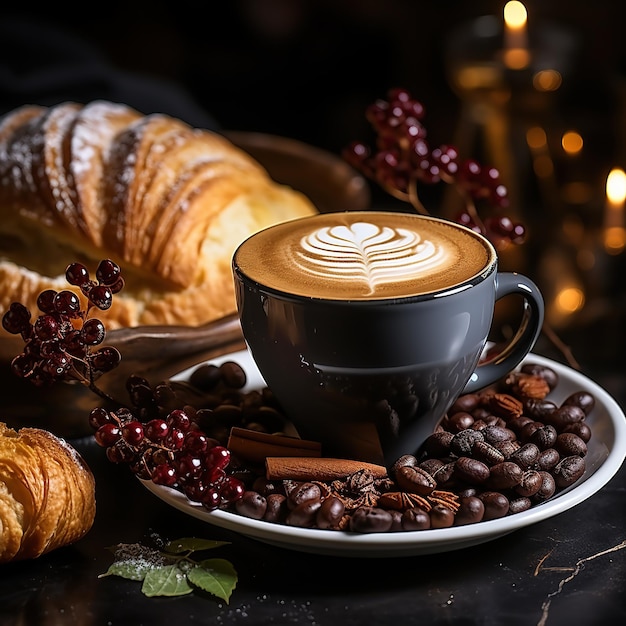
[515, 14]
[547, 80]
[572, 142]
[516, 58]
[569, 300]
[614, 239]
[616, 187]
[536, 138]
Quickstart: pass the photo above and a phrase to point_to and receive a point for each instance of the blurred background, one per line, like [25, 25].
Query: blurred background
[552, 120]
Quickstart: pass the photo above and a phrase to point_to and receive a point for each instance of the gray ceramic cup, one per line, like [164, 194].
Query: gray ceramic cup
[368, 325]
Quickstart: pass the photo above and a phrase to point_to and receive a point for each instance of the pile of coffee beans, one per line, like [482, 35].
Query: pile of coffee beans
[496, 453]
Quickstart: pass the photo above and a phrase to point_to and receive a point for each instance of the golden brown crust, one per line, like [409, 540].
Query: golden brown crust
[169, 203]
[47, 493]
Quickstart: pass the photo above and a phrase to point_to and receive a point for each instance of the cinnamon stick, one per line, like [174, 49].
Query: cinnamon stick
[316, 468]
[253, 446]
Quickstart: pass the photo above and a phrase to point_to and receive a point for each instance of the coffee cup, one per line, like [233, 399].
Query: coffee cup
[367, 325]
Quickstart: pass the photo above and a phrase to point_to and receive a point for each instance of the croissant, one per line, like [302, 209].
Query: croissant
[47, 493]
[169, 203]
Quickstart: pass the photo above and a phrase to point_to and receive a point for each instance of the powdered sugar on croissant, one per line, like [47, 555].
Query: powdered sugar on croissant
[169, 203]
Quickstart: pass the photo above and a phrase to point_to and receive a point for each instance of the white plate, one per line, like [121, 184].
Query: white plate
[606, 453]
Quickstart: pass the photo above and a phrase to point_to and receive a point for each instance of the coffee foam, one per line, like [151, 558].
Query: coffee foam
[364, 255]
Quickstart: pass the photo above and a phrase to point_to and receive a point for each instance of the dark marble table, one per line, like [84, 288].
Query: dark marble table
[569, 569]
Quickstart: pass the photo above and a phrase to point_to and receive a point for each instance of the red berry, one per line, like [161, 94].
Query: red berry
[108, 434]
[164, 474]
[218, 457]
[156, 429]
[133, 432]
[76, 274]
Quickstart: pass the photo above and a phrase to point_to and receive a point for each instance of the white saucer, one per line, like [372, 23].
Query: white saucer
[606, 453]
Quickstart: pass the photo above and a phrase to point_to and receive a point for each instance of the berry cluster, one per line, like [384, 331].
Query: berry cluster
[61, 344]
[169, 450]
[402, 158]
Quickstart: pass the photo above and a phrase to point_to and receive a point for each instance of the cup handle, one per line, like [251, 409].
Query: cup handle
[522, 343]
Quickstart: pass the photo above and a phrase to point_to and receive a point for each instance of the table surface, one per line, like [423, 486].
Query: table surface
[567, 569]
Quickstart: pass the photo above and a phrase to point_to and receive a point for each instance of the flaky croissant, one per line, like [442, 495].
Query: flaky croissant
[47, 493]
[169, 203]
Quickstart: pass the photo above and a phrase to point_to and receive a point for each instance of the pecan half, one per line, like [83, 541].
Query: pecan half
[505, 405]
[403, 500]
[446, 498]
[528, 385]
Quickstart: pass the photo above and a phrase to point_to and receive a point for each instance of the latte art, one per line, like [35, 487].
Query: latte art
[369, 253]
[364, 255]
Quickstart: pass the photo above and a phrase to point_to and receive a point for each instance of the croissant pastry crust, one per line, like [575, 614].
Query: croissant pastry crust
[168, 202]
[47, 493]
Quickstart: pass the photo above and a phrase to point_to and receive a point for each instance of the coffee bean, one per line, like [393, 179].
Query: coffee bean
[488, 454]
[251, 504]
[565, 415]
[517, 505]
[233, 374]
[396, 521]
[302, 493]
[407, 459]
[581, 429]
[548, 459]
[330, 513]
[276, 510]
[538, 408]
[568, 471]
[444, 474]
[415, 480]
[569, 444]
[547, 489]
[583, 399]
[496, 504]
[304, 514]
[432, 466]
[497, 434]
[530, 483]
[470, 470]
[205, 377]
[441, 516]
[369, 519]
[544, 437]
[505, 475]
[462, 442]
[415, 519]
[507, 447]
[459, 421]
[528, 430]
[525, 456]
[471, 510]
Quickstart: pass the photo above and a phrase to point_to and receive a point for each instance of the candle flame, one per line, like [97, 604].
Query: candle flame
[515, 14]
[616, 186]
[516, 53]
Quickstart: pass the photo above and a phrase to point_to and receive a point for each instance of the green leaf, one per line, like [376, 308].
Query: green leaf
[217, 576]
[168, 580]
[192, 544]
[130, 570]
